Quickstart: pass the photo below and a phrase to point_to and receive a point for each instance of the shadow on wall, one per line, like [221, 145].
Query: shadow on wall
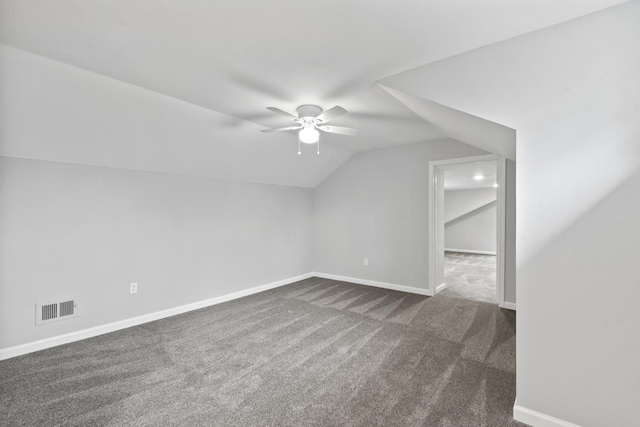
[576, 256]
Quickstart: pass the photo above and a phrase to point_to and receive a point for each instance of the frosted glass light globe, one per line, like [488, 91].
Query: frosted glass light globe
[309, 135]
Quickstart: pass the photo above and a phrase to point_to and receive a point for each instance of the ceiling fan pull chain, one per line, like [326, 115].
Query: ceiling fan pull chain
[299, 152]
[318, 145]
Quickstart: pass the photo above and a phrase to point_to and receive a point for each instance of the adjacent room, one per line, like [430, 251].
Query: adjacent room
[471, 230]
[247, 213]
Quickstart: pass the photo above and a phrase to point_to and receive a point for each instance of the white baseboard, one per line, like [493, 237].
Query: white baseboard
[509, 305]
[7, 353]
[384, 285]
[538, 419]
[441, 287]
[470, 251]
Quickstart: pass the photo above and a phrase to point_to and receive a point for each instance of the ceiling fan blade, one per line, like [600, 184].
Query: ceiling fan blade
[332, 113]
[282, 113]
[339, 130]
[282, 129]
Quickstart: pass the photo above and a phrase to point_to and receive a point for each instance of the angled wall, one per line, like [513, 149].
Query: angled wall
[468, 128]
[54, 111]
[572, 93]
[470, 220]
[95, 194]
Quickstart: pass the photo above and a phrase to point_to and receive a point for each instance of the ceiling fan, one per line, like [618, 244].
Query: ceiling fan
[310, 121]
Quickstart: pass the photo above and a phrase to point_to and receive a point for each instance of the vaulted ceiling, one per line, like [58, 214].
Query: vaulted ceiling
[181, 87]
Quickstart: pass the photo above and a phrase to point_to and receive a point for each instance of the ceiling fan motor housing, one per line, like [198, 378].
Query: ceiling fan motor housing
[309, 111]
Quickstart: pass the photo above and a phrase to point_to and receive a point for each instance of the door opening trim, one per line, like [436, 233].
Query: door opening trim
[436, 221]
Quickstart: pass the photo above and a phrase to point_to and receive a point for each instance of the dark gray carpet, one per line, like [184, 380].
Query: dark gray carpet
[314, 353]
[470, 276]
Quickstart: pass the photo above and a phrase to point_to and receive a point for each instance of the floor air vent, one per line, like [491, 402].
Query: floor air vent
[52, 311]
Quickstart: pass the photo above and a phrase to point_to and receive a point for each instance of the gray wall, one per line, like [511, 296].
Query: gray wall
[375, 207]
[572, 93]
[471, 220]
[510, 233]
[578, 226]
[438, 230]
[70, 230]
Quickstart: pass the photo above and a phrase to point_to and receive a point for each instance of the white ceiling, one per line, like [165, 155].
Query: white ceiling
[461, 176]
[234, 58]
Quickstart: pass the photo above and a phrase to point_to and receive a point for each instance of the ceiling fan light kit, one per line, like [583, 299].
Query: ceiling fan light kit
[310, 121]
[309, 134]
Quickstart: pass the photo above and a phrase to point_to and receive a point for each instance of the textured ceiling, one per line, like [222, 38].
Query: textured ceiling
[233, 59]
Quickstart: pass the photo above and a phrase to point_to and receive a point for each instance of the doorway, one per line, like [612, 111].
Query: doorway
[458, 254]
[470, 230]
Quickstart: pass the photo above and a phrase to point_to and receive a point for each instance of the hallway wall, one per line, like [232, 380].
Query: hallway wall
[470, 220]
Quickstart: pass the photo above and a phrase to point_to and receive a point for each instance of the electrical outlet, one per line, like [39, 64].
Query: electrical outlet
[133, 288]
[366, 261]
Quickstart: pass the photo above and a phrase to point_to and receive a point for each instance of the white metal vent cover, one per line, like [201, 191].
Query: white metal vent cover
[51, 311]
